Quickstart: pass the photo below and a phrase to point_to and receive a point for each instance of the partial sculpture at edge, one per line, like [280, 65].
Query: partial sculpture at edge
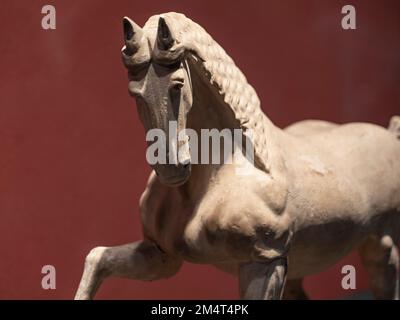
[318, 190]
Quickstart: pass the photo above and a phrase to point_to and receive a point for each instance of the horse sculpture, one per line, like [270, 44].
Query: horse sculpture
[316, 191]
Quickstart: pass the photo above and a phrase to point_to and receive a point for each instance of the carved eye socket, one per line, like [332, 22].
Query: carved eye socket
[177, 84]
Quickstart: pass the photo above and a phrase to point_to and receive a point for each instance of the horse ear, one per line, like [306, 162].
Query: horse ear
[165, 39]
[132, 35]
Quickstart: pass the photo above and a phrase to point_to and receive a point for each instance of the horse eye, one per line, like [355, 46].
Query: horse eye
[177, 85]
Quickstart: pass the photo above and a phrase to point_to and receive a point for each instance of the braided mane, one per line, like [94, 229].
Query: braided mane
[222, 73]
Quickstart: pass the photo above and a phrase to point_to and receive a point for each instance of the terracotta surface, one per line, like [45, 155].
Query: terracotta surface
[310, 193]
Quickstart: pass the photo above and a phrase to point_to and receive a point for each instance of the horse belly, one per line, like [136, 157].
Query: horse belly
[318, 247]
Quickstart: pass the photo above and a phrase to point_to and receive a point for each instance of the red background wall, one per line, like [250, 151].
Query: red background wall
[72, 152]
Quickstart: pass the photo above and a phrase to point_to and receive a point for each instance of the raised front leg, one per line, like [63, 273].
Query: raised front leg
[141, 260]
[263, 281]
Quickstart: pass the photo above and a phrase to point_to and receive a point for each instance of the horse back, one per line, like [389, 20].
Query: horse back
[352, 170]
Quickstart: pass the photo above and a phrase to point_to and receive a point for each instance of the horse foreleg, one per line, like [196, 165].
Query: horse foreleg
[294, 290]
[141, 260]
[380, 256]
[263, 281]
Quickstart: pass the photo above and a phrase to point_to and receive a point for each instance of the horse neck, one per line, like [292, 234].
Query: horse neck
[224, 99]
[235, 96]
[210, 111]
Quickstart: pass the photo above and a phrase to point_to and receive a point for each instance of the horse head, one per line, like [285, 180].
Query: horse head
[159, 80]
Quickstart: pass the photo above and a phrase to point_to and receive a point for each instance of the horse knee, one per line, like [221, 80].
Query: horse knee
[95, 260]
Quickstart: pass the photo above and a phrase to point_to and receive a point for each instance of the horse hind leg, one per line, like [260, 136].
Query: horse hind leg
[380, 256]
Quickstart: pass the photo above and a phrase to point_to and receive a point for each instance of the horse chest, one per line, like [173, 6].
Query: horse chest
[228, 223]
[211, 237]
[199, 232]
[231, 229]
